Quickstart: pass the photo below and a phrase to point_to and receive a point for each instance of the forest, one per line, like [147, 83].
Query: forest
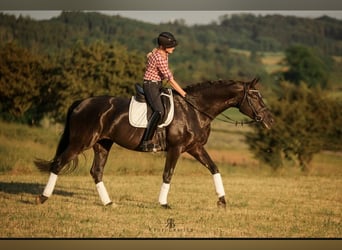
[240, 31]
[46, 65]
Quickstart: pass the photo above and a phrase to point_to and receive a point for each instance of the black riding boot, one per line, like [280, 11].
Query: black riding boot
[147, 144]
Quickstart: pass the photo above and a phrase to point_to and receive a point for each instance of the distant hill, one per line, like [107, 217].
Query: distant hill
[241, 31]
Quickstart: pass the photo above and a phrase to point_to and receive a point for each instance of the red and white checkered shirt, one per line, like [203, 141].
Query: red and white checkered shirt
[157, 67]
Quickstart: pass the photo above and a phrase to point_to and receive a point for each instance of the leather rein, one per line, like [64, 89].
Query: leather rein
[230, 120]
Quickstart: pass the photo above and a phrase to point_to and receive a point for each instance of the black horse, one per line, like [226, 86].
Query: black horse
[98, 122]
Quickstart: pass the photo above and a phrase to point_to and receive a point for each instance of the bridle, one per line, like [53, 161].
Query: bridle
[257, 117]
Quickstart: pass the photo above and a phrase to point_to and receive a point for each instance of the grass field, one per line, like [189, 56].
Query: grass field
[272, 61]
[258, 206]
[261, 202]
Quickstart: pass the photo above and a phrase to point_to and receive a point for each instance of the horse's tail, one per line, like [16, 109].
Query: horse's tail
[46, 166]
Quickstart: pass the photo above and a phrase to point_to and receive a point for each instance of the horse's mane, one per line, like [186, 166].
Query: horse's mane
[208, 84]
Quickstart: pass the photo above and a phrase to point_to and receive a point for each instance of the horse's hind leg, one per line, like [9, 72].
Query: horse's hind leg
[54, 168]
[101, 151]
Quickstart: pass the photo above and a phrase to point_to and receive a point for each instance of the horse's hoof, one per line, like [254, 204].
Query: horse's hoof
[41, 199]
[166, 206]
[221, 202]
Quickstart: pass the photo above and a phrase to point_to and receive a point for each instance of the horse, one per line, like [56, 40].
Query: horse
[98, 122]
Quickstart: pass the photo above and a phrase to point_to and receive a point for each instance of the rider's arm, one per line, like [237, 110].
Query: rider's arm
[176, 87]
[164, 69]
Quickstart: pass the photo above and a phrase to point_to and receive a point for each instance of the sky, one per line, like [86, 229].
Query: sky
[190, 17]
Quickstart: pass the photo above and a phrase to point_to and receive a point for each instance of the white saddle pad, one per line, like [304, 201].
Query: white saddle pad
[138, 112]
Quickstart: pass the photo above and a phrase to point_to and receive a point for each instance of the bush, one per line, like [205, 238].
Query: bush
[306, 122]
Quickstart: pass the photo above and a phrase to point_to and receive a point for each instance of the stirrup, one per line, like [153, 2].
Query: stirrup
[149, 146]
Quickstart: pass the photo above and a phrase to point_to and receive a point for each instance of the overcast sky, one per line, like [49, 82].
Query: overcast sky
[190, 17]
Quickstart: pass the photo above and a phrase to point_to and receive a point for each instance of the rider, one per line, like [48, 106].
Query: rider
[157, 69]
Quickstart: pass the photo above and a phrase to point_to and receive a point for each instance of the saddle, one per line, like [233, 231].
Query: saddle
[140, 112]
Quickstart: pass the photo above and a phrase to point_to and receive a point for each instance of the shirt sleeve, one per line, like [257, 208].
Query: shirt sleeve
[163, 66]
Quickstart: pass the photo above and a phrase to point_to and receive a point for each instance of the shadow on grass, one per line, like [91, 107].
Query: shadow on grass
[28, 188]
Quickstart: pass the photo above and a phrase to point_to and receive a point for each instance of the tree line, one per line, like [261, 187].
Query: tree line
[34, 86]
[240, 31]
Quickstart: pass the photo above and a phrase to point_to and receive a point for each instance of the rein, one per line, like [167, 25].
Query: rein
[227, 118]
[232, 121]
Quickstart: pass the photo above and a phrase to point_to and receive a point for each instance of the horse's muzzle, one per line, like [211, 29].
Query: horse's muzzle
[267, 121]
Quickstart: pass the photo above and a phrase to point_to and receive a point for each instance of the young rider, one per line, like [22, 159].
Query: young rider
[157, 69]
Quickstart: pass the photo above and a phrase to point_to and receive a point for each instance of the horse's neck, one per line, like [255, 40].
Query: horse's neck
[215, 101]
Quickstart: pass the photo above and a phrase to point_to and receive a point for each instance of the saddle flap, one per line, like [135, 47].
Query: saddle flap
[139, 111]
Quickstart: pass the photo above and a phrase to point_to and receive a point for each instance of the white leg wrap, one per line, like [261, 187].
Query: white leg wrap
[103, 193]
[50, 185]
[218, 185]
[163, 193]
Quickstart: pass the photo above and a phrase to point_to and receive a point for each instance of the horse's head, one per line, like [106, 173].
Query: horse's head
[253, 105]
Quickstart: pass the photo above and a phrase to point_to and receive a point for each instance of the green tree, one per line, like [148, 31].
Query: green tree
[97, 69]
[22, 81]
[306, 65]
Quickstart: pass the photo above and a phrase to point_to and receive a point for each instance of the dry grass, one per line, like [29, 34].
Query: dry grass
[261, 203]
[273, 62]
[258, 207]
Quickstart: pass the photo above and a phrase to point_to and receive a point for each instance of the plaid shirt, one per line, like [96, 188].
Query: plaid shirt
[157, 67]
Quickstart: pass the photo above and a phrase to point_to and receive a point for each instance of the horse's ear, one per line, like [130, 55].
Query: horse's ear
[254, 82]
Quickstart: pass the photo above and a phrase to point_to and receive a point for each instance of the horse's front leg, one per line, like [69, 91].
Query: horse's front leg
[101, 150]
[202, 156]
[170, 164]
